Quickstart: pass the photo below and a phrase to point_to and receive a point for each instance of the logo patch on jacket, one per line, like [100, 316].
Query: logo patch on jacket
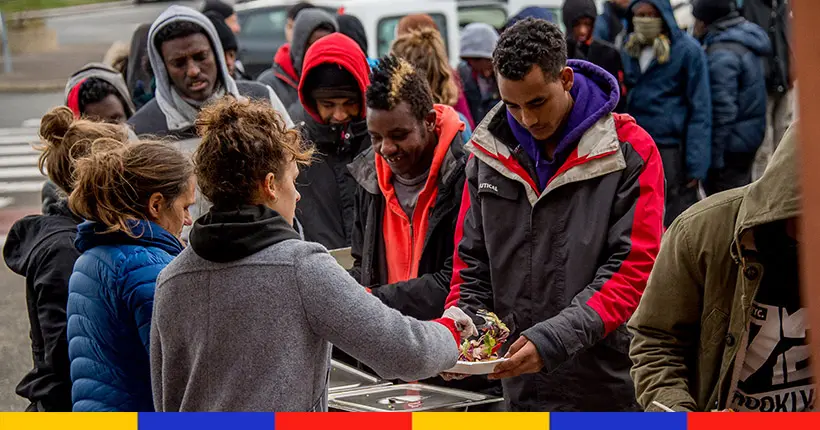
[487, 186]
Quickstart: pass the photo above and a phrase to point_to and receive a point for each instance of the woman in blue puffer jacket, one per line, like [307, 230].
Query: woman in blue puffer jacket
[135, 199]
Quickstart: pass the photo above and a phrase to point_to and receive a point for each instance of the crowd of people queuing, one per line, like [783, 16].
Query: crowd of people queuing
[555, 178]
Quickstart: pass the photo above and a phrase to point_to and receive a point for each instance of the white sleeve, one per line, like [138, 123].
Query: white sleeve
[278, 106]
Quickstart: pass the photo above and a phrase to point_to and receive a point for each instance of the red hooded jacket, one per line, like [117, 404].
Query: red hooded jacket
[285, 63]
[335, 49]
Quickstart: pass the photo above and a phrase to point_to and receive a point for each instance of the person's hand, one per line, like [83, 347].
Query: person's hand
[464, 324]
[523, 358]
[692, 184]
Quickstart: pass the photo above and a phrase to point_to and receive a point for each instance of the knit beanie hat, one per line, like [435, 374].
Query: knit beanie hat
[710, 11]
[574, 10]
[226, 36]
[328, 81]
[221, 8]
[478, 40]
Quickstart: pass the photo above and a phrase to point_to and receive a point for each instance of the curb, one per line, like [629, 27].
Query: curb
[73, 10]
[48, 86]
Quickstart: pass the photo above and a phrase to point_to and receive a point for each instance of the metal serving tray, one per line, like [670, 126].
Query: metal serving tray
[345, 378]
[407, 398]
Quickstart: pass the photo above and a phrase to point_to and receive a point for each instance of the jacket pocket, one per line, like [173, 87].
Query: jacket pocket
[714, 327]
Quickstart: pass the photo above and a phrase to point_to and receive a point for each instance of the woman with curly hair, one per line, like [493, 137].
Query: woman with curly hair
[424, 49]
[244, 318]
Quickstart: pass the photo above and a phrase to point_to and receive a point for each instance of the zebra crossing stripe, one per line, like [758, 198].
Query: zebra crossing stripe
[18, 139]
[21, 187]
[17, 150]
[20, 172]
[21, 160]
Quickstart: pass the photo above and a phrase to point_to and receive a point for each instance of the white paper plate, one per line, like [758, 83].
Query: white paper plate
[476, 367]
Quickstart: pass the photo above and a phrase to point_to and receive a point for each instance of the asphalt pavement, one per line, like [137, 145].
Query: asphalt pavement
[20, 180]
[108, 26]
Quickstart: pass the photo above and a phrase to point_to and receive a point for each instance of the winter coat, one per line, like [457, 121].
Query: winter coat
[161, 116]
[422, 297]
[777, 22]
[328, 189]
[282, 77]
[565, 267]
[697, 306]
[280, 302]
[101, 72]
[734, 48]
[603, 55]
[610, 26]
[672, 101]
[111, 295]
[41, 248]
[479, 103]
[138, 78]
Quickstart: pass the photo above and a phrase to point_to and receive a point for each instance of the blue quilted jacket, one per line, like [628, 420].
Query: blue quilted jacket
[111, 296]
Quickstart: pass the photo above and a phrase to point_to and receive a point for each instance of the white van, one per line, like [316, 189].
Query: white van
[263, 24]
[554, 6]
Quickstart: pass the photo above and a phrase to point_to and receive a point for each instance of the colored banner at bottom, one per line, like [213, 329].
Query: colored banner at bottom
[403, 421]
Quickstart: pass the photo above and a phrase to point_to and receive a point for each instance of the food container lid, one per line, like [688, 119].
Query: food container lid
[345, 378]
[407, 398]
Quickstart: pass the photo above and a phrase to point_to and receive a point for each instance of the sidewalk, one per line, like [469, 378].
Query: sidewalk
[50, 71]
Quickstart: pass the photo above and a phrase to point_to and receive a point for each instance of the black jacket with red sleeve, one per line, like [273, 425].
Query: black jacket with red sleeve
[564, 267]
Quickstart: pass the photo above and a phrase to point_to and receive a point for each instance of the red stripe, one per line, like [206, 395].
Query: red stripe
[511, 164]
[451, 325]
[620, 295]
[458, 263]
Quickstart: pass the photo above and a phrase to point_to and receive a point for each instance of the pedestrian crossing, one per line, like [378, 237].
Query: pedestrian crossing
[18, 162]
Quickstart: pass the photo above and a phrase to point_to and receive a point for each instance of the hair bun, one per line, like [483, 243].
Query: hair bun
[55, 125]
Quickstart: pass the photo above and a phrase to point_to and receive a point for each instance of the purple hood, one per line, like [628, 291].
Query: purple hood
[596, 93]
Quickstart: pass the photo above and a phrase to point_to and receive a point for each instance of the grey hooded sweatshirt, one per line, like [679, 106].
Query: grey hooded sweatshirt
[244, 319]
[107, 74]
[165, 115]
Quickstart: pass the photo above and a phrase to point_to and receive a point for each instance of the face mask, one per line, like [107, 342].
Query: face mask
[649, 28]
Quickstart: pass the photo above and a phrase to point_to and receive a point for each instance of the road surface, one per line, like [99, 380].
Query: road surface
[20, 180]
[108, 26]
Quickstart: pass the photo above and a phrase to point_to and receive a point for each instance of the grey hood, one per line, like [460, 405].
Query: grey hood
[306, 23]
[166, 101]
[107, 74]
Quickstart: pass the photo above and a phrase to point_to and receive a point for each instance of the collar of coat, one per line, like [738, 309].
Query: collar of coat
[597, 154]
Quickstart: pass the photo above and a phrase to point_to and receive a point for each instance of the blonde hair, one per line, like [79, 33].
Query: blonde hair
[424, 49]
[64, 139]
[116, 181]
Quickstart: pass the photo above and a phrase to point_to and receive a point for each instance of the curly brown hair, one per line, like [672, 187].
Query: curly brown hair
[64, 139]
[116, 181]
[424, 49]
[243, 141]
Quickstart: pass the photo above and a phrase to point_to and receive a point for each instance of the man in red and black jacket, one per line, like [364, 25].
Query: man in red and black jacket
[560, 223]
[331, 115]
[579, 20]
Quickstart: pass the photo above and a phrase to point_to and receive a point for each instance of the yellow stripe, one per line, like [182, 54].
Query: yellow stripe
[68, 421]
[484, 420]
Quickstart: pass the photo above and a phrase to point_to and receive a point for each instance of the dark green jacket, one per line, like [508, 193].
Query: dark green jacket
[695, 312]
